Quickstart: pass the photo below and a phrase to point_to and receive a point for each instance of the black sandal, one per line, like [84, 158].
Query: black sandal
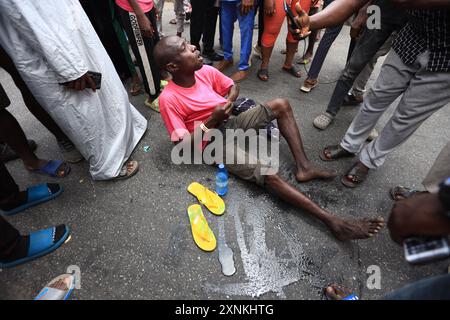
[336, 152]
[263, 73]
[293, 70]
[401, 193]
[354, 177]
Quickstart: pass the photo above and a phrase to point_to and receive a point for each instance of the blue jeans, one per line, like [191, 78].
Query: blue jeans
[229, 13]
[434, 288]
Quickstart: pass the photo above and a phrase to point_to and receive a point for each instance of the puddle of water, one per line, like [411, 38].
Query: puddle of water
[265, 271]
[225, 253]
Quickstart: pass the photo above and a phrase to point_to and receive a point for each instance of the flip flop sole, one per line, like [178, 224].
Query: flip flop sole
[208, 246]
[196, 188]
[32, 203]
[39, 254]
[65, 294]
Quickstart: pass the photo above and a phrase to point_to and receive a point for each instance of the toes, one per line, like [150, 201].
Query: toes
[336, 292]
[331, 294]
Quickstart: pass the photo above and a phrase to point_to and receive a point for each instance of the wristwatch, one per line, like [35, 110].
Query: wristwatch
[444, 195]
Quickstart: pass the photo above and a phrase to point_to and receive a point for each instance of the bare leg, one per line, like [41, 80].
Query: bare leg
[290, 53]
[342, 229]
[12, 134]
[266, 52]
[289, 130]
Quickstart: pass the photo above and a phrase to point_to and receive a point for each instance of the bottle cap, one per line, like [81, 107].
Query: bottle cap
[221, 166]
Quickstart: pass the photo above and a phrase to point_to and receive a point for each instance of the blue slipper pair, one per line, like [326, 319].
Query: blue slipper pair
[41, 242]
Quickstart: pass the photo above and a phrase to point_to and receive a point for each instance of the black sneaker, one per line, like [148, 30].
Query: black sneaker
[350, 100]
[213, 56]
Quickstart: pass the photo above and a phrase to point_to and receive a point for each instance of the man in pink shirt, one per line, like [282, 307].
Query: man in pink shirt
[200, 98]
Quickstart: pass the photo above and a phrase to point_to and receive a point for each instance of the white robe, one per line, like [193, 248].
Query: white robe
[53, 41]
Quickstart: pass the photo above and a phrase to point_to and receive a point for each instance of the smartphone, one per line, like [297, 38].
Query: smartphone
[97, 77]
[426, 249]
[291, 18]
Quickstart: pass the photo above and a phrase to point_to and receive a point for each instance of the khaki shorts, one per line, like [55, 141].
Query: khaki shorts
[255, 170]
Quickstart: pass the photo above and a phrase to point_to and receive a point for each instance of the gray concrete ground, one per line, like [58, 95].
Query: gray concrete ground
[131, 239]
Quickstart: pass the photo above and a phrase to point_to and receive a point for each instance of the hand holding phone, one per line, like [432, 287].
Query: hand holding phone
[294, 21]
[90, 79]
[426, 249]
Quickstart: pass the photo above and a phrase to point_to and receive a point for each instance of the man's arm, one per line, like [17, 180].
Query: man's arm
[219, 114]
[335, 13]
[340, 10]
[420, 215]
[144, 23]
[359, 22]
[233, 93]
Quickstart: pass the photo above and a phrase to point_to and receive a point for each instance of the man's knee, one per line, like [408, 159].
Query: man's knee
[279, 106]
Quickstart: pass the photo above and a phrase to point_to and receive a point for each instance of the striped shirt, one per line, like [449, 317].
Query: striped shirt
[426, 30]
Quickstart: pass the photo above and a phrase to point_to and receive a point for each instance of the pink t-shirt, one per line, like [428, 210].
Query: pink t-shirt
[146, 5]
[182, 107]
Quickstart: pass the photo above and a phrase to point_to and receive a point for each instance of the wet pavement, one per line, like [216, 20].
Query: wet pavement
[131, 239]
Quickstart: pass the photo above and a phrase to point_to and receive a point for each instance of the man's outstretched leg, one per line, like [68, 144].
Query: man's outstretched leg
[306, 171]
[342, 229]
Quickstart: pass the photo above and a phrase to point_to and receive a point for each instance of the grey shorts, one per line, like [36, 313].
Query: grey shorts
[256, 169]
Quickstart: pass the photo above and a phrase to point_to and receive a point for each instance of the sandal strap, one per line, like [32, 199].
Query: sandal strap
[336, 152]
[356, 175]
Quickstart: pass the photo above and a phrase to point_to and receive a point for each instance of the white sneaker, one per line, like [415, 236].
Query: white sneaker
[323, 121]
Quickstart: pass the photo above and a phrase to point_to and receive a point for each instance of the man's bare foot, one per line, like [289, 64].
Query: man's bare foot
[365, 228]
[312, 173]
[337, 292]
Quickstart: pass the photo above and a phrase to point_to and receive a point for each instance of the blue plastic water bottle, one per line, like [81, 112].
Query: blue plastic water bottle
[221, 180]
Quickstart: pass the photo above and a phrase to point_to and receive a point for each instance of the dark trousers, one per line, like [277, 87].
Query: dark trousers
[260, 20]
[325, 43]
[9, 236]
[322, 50]
[203, 24]
[433, 288]
[365, 49]
[101, 16]
[149, 46]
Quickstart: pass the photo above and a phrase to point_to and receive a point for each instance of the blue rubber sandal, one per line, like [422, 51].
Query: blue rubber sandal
[35, 195]
[41, 243]
[351, 297]
[51, 168]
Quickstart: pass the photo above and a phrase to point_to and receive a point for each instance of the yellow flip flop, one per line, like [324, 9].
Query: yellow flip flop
[209, 199]
[203, 235]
